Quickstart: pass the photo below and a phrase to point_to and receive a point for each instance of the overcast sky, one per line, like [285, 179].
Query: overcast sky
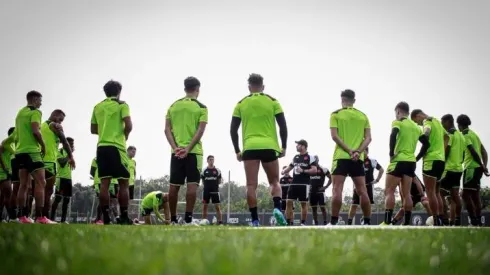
[433, 55]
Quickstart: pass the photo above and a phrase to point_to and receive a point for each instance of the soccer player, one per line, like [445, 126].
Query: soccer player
[259, 112]
[111, 121]
[303, 166]
[211, 178]
[64, 184]
[434, 161]
[451, 179]
[9, 144]
[185, 124]
[417, 194]
[351, 132]
[285, 181]
[317, 192]
[401, 171]
[474, 165]
[52, 133]
[132, 170]
[369, 165]
[153, 202]
[6, 177]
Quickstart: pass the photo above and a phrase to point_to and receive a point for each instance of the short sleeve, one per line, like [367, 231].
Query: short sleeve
[325, 170]
[94, 163]
[277, 107]
[333, 120]
[395, 124]
[219, 172]
[236, 111]
[367, 125]
[313, 160]
[94, 119]
[204, 115]
[427, 125]
[450, 141]
[36, 116]
[125, 110]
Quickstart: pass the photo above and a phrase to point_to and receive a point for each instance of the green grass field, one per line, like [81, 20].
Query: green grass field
[107, 250]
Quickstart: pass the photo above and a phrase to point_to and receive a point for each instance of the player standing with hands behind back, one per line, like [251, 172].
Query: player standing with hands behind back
[111, 121]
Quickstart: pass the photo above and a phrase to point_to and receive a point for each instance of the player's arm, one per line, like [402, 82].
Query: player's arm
[168, 133]
[484, 156]
[2, 164]
[93, 169]
[394, 134]
[236, 120]
[425, 146]
[288, 169]
[36, 130]
[126, 116]
[367, 137]
[329, 176]
[475, 155]
[381, 172]
[283, 129]
[6, 143]
[58, 130]
[94, 126]
[220, 178]
[156, 208]
[334, 133]
[313, 166]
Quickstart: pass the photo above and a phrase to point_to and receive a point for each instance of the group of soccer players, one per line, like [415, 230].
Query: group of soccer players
[448, 155]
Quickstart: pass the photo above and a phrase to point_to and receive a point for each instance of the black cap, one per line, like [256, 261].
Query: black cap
[302, 142]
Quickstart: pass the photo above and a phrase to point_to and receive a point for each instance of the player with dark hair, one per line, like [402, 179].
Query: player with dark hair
[258, 114]
[474, 165]
[285, 181]
[5, 177]
[111, 121]
[132, 170]
[9, 144]
[451, 179]
[317, 192]
[417, 194]
[369, 165]
[211, 178]
[185, 124]
[53, 134]
[351, 131]
[303, 166]
[153, 202]
[404, 137]
[64, 185]
[434, 161]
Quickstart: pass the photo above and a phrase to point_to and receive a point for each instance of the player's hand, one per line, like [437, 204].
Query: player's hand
[485, 171]
[375, 181]
[323, 189]
[283, 153]
[283, 172]
[299, 170]
[355, 156]
[239, 156]
[71, 162]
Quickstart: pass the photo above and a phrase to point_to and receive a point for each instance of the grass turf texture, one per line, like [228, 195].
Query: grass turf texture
[89, 249]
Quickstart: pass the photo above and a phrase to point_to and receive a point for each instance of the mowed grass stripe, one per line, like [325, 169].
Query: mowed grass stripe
[88, 249]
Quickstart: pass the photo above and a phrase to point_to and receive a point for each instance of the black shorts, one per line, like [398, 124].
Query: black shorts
[317, 199]
[283, 205]
[347, 167]
[65, 188]
[402, 168]
[451, 180]
[112, 163]
[131, 192]
[15, 171]
[50, 170]
[264, 155]
[285, 190]
[298, 192]
[210, 197]
[416, 199]
[187, 170]
[434, 168]
[472, 178]
[146, 212]
[30, 161]
[355, 197]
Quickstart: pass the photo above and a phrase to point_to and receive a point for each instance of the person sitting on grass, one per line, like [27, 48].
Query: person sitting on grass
[153, 202]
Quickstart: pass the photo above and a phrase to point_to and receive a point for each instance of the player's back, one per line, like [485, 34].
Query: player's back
[471, 138]
[258, 113]
[455, 159]
[185, 115]
[407, 139]
[26, 141]
[51, 141]
[108, 115]
[436, 140]
[351, 124]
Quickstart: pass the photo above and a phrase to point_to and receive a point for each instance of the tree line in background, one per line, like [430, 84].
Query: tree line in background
[83, 197]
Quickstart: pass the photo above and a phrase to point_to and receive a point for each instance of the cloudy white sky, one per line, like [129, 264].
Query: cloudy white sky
[433, 55]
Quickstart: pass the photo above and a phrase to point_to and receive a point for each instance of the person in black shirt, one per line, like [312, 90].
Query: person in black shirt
[369, 165]
[317, 192]
[303, 165]
[285, 181]
[417, 192]
[211, 178]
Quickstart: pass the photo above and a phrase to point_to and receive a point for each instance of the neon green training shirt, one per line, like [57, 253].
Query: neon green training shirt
[406, 140]
[471, 138]
[132, 171]
[26, 141]
[351, 124]
[65, 170]
[109, 115]
[258, 113]
[51, 141]
[457, 143]
[154, 200]
[185, 115]
[436, 140]
[96, 173]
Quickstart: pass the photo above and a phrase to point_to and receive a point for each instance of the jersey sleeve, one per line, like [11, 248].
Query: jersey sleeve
[313, 160]
[236, 111]
[395, 124]
[277, 107]
[168, 115]
[333, 120]
[450, 140]
[36, 116]
[219, 173]
[468, 141]
[125, 110]
[367, 125]
[204, 115]
[94, 119]
[427, 125]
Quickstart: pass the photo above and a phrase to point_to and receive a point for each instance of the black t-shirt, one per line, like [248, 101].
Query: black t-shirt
[305, 162]
[285, 182]
[318, 180]
[369, 166]
[211, 178]
[414, 191]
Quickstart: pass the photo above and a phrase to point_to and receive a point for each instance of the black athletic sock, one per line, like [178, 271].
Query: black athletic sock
[105, 214]
[408, 218]
[174, 219]
[303, 222]
[394, 221]
[64, 209]
[39, 212]
[451, 223]
[315, 222]
[388, 215]
[277, 202]
[188, 217]
[444, 220]
[288, 221]
[124, 212]
[436, 220]
[325, 222]
[366, 221]
[349, 221]
[334, 220]
[457, 221]
[478, 221]
[220, 222]
[26, 211]
[12, 213]
[253, 212]
[19, 211]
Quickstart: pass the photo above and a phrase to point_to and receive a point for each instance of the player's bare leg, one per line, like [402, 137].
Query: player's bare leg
[324, 214]
[219, 215]
[105, 199]
[173, 198]
[48, 192]
[314, 212]
[352, 213]
[470, 207]
[304, 212]
[405, 187]
[190, 200]
[360, 185]
[391, 183]
[476, 198]
[272, 171]
[431, 189]
[6, 193]
[251, 175]
[338, 187]
[456, 206]
[205, 210]
[440, 204]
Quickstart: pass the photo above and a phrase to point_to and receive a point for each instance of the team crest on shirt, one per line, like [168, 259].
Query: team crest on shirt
[306, 157]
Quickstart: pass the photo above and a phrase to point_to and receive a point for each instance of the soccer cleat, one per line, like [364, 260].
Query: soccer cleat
[255, 224]
[384, 224]
[99, 222]
[25, 220]
[44, 220]
[303, 224]
[279, 217]
[14, 221]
